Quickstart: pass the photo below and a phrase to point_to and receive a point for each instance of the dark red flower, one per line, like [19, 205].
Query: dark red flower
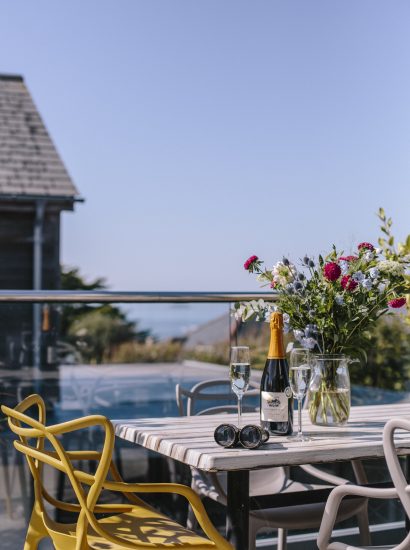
[250, 261]
[397, 302]
[348, 258]
[348, 283]
[366, 246]
[332, 271]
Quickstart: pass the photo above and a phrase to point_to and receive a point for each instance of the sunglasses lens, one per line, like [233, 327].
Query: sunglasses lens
[265, 435]
[251, 436]
[226, 435]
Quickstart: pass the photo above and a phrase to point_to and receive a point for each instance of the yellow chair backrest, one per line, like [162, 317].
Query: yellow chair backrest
[29, 429]
[33, 433]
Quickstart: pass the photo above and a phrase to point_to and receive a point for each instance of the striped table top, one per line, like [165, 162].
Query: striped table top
[190, 439]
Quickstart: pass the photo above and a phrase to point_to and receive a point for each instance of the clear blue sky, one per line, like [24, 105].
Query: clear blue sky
[200, 132]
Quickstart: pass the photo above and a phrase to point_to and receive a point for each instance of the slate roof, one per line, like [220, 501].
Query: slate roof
[29, 162]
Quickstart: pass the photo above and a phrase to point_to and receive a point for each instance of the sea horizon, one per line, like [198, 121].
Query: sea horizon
[165, 321]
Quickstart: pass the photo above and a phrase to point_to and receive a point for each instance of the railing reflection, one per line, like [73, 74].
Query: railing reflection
[136, 377]
[78, 376]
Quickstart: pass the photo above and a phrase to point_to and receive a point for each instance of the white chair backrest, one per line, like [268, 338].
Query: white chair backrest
[203, 392]
[396, 473]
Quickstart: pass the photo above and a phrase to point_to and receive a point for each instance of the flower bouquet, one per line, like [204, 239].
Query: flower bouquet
[331, 303]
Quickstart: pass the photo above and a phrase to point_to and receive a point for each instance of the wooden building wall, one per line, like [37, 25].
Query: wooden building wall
[16, 249]
[16, 272]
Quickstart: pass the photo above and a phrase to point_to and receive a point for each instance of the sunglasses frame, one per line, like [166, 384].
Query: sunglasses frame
[238, 436]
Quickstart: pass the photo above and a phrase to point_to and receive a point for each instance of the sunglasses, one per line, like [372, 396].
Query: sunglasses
[250, 436]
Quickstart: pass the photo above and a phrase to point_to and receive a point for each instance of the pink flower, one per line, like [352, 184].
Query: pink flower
[273, 284]
[397, 302]
[332, 271]
[348, 283]
[366, 246]
[250, 261]
[348, 258]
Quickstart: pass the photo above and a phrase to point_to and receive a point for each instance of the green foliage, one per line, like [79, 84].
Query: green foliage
[332, 304]
[148, 352]
[388, 364]
[96, 331]
[72, 280]
[97, 334]
[217, 353]
[386, 242]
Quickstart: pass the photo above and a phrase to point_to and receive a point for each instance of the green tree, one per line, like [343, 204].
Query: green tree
[97, 334]
[72, 280]
[388, 357]
[95, 330]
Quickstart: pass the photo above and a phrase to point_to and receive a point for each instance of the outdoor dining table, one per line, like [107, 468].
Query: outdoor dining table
[190, 441]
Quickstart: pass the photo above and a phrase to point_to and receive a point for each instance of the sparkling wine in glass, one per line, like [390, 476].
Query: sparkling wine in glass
[299, 379]
[240, 372]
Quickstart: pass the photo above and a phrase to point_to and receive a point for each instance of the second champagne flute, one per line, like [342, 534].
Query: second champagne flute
[299, 379]
[240, 371]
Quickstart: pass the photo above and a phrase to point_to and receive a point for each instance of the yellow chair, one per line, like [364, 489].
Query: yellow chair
[134, 525]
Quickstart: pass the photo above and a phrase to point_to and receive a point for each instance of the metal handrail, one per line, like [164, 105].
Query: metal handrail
[107, 296]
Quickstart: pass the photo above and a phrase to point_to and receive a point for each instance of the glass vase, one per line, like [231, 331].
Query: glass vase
[329, 390]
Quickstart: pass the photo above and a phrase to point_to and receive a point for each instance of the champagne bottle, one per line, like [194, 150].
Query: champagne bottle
[276, 395]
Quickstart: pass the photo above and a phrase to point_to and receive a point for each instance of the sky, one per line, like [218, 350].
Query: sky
[201, 132]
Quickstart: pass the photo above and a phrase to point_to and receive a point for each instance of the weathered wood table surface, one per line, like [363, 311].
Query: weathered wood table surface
[190, 440]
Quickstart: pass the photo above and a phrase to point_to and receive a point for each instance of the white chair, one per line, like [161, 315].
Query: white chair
[268, 481]
[401, 490]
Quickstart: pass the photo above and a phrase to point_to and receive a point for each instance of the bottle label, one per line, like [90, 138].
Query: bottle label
[274, 406]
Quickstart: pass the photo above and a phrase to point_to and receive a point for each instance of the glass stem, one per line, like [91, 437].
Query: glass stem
[300, 416]
[239, 410]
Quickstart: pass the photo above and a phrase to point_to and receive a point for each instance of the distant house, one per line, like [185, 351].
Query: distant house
[34, 188]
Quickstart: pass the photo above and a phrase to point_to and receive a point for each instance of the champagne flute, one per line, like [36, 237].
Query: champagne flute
[299, 379]
[240, 370]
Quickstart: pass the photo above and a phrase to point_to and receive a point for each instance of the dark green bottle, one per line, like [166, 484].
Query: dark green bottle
[276, 399]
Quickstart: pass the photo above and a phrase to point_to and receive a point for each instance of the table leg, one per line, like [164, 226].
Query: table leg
[237, 514]
[407, 475]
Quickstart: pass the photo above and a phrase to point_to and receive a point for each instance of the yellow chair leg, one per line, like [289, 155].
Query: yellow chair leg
[33, 539]
[35, 533]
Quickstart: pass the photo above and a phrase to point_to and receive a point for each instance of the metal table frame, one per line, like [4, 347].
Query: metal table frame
[359, 439]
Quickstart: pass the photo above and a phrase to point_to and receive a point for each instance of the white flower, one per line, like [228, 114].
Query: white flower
[374, 272]
[367, 284]
[270, 308]
[339, 299]
[247, 310]
[381, 287]
[358, 276]
[308, 343]
[237, 313]
[243, 313]
[391, 267]
[286, 318]
[368, 256]
[299, 334]
[283, 274]
[344, 266]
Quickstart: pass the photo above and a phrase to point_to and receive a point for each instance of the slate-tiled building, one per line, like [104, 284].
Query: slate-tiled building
[34, 188]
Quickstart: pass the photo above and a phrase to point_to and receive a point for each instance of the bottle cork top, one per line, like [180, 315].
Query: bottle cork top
[276, 320]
